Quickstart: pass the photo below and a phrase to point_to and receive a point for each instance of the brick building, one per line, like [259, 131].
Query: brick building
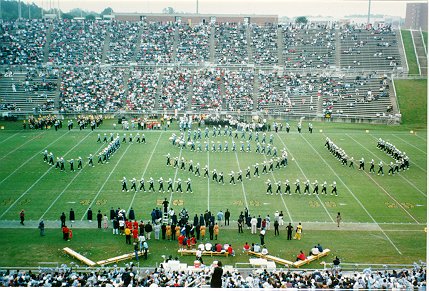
[417, 16]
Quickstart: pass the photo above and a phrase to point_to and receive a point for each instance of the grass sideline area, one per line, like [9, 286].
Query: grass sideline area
[412, 98]
[413, 68]
[396, 205]
[99, 245]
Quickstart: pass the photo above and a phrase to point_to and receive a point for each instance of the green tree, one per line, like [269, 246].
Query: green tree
[107, 11]
[66, 16]
[90, 17]
[168, 10]
[301, 20]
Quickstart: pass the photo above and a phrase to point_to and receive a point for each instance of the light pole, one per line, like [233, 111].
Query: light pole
[369, 11]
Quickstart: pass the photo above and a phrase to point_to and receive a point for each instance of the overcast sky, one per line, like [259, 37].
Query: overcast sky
[290, 8]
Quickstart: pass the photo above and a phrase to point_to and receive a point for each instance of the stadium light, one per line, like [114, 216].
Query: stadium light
[369, 11]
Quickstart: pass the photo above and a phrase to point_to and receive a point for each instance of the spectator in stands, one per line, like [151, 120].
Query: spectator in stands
[216, 279]
[336, 261]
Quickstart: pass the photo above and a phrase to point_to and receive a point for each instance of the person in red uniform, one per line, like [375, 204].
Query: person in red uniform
[246, 247]
[136, 234]
[66, 231]
[301, 256]
[180, 240]
[230, 251]
[219, 248]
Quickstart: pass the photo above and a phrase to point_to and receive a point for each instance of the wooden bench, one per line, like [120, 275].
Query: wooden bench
[79, 257]
[259, 255]
[119, 258]
[272, 258]
[185, 252]
[279, 260]
[310, 259]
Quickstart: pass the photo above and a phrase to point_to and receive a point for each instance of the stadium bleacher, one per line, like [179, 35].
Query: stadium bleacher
[315, 69]
[172, 273]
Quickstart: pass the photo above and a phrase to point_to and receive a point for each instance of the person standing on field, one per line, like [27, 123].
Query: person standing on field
[298, 233]
[42, 228]
[338, 219]
[22, 216]
[289, 229]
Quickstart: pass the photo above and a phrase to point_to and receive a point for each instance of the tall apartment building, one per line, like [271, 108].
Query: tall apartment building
[417, 16]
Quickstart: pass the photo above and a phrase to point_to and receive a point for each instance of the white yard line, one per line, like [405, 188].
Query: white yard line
[424, 170]
[10, 136]
[17, 148]
[395, 135]
[408, 181]
[40, 178]
[105, 181]
[375, 182]
[68, 185]
[28, 160]
[144, 171]
[208, 180]
[242, 184]
[351, 192]
[175, 176]
[299, 167]
[418, 136]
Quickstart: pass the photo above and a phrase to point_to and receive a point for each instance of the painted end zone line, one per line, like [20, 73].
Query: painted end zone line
[105, 181]
[354, 196]
[144, 172]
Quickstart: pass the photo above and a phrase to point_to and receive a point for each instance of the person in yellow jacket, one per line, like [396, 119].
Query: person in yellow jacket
[216, 230]
[177, 230]
[127, 235]
[168, 231]
[203, 231]
[298, 232]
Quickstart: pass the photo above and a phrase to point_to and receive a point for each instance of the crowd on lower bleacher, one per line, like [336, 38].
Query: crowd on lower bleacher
[414, 278]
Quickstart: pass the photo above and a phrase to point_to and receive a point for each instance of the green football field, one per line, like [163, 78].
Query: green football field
[392, 208]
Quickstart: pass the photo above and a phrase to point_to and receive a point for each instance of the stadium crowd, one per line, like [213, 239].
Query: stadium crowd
[130, 275]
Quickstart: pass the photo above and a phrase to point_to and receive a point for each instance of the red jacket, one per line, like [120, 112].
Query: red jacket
[301, 256]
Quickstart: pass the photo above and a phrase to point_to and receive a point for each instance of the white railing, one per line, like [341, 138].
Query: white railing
[403, 48]
[415, 52]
